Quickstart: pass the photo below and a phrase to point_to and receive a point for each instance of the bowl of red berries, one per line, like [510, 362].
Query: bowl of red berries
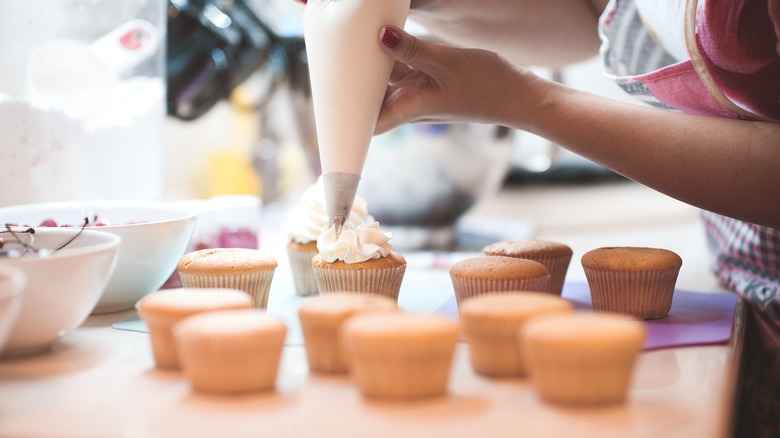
[154, 234]
[66, 271]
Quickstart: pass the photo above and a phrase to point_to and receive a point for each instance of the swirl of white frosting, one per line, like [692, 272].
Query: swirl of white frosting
[309, 218]
[354, 244]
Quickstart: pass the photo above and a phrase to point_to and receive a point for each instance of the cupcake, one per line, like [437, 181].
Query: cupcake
[321, 318]
[245, 269]
[581, 358]
[359, 260]
[162, 309]
[304, 227]
[492, 324]
[400, 355]
[300, 255]
[631, 280]
[480, 275]
[553, 255]
[230, 351]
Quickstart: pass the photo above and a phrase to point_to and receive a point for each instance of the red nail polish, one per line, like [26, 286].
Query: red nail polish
[390, 37]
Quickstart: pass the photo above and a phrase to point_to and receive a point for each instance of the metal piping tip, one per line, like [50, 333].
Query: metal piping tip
[337, 222]
[340, 191]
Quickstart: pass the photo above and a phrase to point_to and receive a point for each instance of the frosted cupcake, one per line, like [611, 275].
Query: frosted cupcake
[582, 358]
[481, 275]
[321, 319]
[245, 269]
[554, 256]
[400, 355]
[359, 260]
[632, 281]
[161, 310]
[231, 350]
[304, 226]
[492, 324]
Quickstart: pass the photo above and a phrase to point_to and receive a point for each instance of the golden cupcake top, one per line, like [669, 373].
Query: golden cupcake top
[499, 268]
[585, 330]
[512, 306]
[339, 305]
[185, 301]
[225, 260]
[528, 248]
[229, 323]
[399, 327]
[629, 258]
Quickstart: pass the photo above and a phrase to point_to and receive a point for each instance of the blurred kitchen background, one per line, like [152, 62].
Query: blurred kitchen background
[214, 100]
[418, 180]
[270, 123]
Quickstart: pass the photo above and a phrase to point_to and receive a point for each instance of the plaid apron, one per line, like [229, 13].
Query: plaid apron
[644, 51]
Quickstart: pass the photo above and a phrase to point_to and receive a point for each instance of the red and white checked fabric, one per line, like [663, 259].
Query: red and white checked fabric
[746, 258]
[739, 42]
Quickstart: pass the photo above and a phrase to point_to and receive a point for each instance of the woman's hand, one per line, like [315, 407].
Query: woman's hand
[722, 165]
[437, 84]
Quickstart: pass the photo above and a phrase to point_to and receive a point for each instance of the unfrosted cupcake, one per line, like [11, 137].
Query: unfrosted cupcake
[400, 355]
[632, 281]
[304, 226]
[582, 358]
[554, 256]
[162, 309]
[480, 275]
[492, 324]
[321, 319]
[245, 269]
[231, 350]
[359, 260]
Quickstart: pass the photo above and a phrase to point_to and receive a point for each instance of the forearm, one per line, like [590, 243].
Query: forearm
[550, 33]
[727, 166]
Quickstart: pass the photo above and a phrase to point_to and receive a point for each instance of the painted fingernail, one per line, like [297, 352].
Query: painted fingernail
[390, 37]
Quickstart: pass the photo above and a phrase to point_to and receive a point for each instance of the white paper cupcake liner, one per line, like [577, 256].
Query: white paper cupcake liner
[385, 281]
[256, 284]
[466, 288]
[163, 343]
[324, 352]
[246, 363]
[302, 272]
[558, 266]
[401, 371]
[598, 376]
[641, 294]
[493, 347]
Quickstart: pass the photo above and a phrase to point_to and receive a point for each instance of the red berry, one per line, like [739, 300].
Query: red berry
[48, 223]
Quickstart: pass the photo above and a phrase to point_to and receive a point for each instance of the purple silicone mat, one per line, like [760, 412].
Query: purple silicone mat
[696, 318]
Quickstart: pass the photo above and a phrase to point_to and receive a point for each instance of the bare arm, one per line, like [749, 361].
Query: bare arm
[549, 33]
[730, 167]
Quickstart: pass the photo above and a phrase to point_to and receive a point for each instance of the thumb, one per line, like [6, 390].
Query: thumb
[406, 48]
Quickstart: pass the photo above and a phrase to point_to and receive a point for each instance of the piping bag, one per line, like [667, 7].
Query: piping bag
[349, 74]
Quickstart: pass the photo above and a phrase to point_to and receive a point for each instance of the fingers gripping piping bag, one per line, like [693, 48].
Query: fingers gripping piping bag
[349, 74]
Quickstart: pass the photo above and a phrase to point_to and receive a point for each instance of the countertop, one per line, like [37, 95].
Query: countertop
[101, 382]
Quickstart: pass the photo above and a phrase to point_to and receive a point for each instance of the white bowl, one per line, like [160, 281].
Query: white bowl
[154, 236]
[62, 288]
[12, 283]
[437, 172]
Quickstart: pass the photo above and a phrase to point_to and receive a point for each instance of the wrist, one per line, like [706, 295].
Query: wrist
[529, 100]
